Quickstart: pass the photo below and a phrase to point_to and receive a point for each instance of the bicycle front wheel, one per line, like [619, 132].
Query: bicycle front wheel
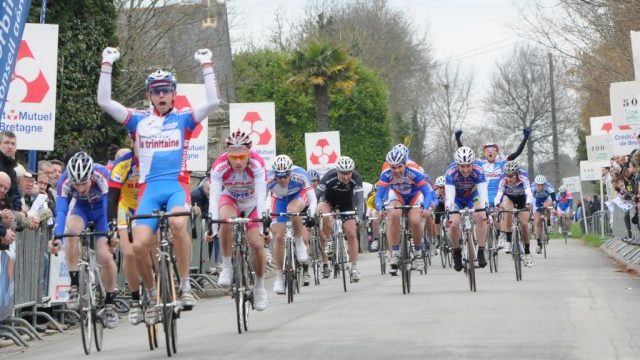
[517, 256]
[166, 304]
[382, 254]
[85, 308]
[471, 266]
[238, 291]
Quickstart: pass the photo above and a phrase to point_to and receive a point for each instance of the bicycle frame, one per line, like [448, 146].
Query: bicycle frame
[340, 253]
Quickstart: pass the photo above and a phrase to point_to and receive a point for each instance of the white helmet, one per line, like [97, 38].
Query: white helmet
[562, 189]
[440, 181]
[464, 155]
[401, 147]
[511, 167]
[540, 180]
[396, 157]
[282, 164]
[80, 167]
[314, 175]
[345, 164]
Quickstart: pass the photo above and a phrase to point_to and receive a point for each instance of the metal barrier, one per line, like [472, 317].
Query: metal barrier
[599, 221]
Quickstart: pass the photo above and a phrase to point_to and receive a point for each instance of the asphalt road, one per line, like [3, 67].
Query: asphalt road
[572, 305]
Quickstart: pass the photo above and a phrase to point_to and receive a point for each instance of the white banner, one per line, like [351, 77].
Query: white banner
[590, 171]
[599, 147]
[190, 96]
[323, 149]
[623, 142]
[59, 280]
[635, 50]
[30, 110]
[603, 125]
[573, 184]
[259, 121]
[625, 103]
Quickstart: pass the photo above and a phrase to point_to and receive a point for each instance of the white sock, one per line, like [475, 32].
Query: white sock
[184, 283]
[279, 273]
[259, 282]
[299, 241]
[226, 262]
[354, 266]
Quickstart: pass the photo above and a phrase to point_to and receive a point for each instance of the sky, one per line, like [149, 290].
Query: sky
[475, 34]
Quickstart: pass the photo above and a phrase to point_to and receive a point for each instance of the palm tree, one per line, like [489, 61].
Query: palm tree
[319, 66]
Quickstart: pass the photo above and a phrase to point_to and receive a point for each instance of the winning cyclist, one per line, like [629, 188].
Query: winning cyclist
[291, 191]
[342, 188]
[401, 185]
[161, 137]
[466, 187]
[238, 185]
[544, 195]
[492, 167]
[564, 206]
[514, 191]
[88, 184]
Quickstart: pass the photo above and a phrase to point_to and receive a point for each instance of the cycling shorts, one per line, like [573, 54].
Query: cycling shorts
[538, 205]
[98, 217]
[468, 202]
[439, 213]
[279, 205]
[519, 201]
[417, 198]
[122, 215]
[248, 209]
[154, 195]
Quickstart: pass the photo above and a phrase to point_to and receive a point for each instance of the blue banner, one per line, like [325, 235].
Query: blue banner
[13, 15]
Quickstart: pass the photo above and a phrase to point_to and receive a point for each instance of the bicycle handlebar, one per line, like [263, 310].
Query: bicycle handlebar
[338, 213]
[159, 214]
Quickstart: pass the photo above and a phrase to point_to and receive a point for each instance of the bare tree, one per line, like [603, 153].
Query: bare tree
[447, 108]
[519, 97]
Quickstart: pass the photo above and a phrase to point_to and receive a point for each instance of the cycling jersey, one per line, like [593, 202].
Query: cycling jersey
[124, 176]
[545, 193]
[91, 206]
[521, 188]
[493, 172]
[410, 164]
[347, 196]
[404, 188]
[246, 189]
[465, 191]
[162, 143]
[564, 201]
[299, 187]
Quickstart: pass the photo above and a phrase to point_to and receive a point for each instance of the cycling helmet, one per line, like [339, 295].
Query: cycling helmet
[401, 147]
[345, 164]
[562, 189]
[464, 155]
[540, 180]
[238, 139]
[160, 77]
[80, 167]
[313, 174]
[282, 164]
[440, 181]
[511, 167]
[490, 144]
[396, 157]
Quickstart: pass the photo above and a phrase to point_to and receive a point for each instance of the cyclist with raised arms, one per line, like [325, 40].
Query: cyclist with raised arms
[564, 206]
[544, 196]
[341, 188]
[161, 138]
[492, 167]
[401, 185]
[466, 187]
[291, 191]
[88, 184]
[514, 191]
[238, 185]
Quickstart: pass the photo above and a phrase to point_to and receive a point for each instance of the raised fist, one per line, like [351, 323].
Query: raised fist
[203, 56]
[110, 55]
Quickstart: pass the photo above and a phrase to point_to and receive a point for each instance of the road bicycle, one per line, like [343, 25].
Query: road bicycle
[340, 258]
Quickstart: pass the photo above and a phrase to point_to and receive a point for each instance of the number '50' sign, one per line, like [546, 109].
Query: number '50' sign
[629, 102]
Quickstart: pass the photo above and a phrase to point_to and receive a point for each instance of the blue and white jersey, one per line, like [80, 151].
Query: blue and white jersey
[94, 199]
[407, 185]
[520, 187]
[458, 186]
[162, 143]
[299, 181]
[545, 193]
[492, 172]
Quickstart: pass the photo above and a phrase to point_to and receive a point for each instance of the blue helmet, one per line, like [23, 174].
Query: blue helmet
[403, 148]
[160, 77]
[396, 157]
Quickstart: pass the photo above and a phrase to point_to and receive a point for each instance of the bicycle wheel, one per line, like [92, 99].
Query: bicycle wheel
[248, 298]
[84, 308]
[166, 304]
[405, 264]
[517, 255]
[317, 260]
[238, 291]
[98, 325]
[471, 265]
[544, 238]
[382, 254]
[490, 246]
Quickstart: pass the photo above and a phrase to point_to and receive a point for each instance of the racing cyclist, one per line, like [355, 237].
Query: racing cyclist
[238, 185]
[88, 184]
[438, 205]
[161, 138]
[514, 191]
[564, 206]
[466, 187]
[291, 191]
[544, 195]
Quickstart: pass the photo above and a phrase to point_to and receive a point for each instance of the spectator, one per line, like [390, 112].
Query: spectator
[112, 154]
[26, 183]
[200, 198]
[578, 215]
[7, 165]
[44, 187]
[58, 167]
[7, 215]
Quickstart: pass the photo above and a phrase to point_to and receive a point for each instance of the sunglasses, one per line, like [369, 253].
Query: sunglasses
[344, 172]
[240, 157]
[155, 91]
[282, 175]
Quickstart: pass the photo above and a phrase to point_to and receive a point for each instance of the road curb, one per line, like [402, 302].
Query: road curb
[627, 255]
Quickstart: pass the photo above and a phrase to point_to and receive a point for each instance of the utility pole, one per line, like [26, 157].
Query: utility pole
[554, 126]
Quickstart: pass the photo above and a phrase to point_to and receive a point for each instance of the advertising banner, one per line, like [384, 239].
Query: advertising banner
[258, 120]
[323, 149]
[190, 96]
